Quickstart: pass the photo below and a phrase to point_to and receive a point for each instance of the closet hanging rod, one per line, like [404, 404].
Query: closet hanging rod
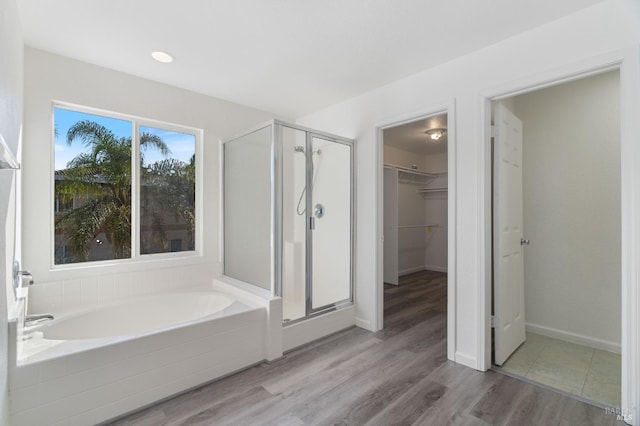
[417, 226]
[426, 190]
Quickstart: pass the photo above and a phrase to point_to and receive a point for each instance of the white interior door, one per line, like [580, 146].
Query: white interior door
[390, 226]
[508, 262]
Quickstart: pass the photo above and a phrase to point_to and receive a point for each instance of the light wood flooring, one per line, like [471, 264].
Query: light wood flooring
[398, 376]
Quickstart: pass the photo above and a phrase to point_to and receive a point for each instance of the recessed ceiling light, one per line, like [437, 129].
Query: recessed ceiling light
[163, 57]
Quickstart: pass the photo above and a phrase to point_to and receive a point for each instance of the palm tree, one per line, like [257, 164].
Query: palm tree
[101, 179]
[167, 188]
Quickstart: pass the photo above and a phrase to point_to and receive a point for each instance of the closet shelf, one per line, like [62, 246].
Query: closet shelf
[412, 176]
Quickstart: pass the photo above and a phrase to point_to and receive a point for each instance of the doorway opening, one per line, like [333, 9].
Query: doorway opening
[557, 258]
[415, 225]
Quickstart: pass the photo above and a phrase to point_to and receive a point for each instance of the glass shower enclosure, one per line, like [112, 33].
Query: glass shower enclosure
[289, 216]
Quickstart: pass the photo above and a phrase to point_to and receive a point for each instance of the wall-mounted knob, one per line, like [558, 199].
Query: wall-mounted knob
[19, 274]
[318, 211]
[25, 273]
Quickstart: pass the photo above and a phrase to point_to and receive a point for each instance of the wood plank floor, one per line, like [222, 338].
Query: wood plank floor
[398, 376]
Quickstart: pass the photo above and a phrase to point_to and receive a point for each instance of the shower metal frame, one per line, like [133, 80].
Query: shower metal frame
[276, 196]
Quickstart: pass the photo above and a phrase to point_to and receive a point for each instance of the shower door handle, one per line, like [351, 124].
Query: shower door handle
[312, 222]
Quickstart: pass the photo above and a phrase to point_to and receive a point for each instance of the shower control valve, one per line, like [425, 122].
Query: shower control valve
[318, 211]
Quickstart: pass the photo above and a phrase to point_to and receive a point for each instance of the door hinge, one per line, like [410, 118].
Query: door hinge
[312, 223]
[494, 131]
[493, 321]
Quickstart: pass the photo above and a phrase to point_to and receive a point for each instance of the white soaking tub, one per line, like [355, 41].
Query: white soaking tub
[95, 364]
[140, 316]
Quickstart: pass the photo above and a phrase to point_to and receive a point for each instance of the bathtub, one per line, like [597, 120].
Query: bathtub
[94, 364]
[140, 316]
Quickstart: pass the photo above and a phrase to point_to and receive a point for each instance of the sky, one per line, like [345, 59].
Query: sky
[181, 145]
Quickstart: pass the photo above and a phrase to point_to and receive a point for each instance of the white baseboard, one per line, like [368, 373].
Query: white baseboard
[466, 360]
[422, 268]
[436, 268]
[366, 324]
[574, 337]
[410, 271]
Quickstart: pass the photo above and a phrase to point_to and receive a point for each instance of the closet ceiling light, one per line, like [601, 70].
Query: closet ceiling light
[436, 134]
[163, 57]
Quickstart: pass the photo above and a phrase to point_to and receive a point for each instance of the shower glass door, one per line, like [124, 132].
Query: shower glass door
[329, 215]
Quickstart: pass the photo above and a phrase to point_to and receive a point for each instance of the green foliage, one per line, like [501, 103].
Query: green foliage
[168, 187]
[98, 181]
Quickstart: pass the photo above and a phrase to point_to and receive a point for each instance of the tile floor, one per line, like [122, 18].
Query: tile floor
[580, 370]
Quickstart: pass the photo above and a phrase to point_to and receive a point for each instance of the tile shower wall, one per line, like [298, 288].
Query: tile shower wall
[82, 292]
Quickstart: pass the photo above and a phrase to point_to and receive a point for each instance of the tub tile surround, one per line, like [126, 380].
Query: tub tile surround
[98, 384]
[63, 295]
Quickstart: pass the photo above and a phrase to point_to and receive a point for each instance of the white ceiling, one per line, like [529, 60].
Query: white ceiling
[412, 136]
[289, 57]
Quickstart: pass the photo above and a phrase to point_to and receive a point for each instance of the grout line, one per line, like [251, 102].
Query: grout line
[548, 342]
[544, 346]
[588, 371]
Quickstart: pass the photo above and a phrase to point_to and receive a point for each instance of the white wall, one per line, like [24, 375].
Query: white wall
[436, 209]
[11, 52]
[436, 212]
[436, 163]
[50, 77]
[424, 248]
[571, 171]
[399, 157]
[602, 29]
[411, 241]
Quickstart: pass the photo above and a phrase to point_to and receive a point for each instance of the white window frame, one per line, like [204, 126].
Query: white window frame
[136, 256]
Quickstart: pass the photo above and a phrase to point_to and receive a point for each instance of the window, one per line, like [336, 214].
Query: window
[167, 191]
[97, 213]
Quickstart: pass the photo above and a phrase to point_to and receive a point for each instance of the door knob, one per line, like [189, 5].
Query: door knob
[524, 242]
